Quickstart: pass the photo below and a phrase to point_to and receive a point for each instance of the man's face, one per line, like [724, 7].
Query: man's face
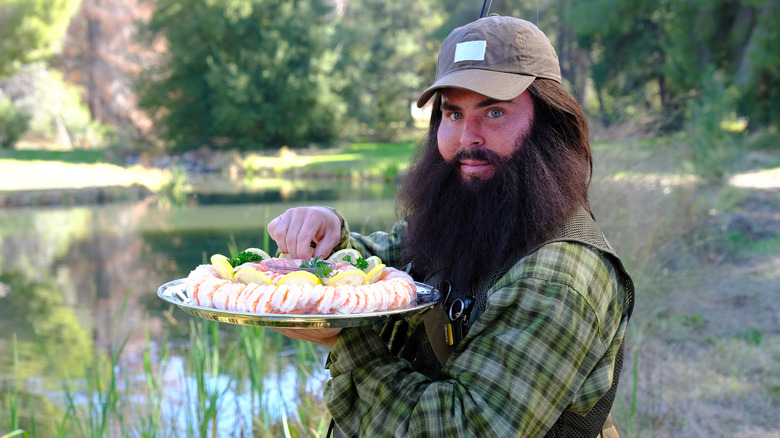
[476, 130]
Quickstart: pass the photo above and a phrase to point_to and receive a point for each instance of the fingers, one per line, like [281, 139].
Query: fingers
[296, 229]
[326, 336]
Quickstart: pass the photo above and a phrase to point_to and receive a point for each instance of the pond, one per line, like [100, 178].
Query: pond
[87, 348]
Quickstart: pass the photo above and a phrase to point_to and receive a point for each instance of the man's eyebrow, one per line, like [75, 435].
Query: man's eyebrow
[490, 102]
[449, 107]
[445, 106]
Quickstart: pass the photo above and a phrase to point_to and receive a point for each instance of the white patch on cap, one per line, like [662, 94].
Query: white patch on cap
[470, 51]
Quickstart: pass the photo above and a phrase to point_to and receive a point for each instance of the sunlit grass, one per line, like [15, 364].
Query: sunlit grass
[360, 161]
[40, 175]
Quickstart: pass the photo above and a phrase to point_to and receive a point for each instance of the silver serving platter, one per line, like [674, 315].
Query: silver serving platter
[175, 292]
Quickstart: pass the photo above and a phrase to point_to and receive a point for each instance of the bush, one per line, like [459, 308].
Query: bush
[53, 107]
[13, 123]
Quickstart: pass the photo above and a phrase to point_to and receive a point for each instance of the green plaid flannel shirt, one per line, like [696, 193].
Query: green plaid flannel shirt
[546, 343]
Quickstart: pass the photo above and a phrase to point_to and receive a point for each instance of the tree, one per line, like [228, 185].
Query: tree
[385, 53]
[758, 73]
[245, 74]
[30, 30]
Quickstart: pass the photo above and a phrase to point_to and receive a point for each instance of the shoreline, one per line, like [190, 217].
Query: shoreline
[56, 197]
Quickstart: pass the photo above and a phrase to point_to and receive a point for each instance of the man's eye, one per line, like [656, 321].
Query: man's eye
[495, 112]
[456, 116]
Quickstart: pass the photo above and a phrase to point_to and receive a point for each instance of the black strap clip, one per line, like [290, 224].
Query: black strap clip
[458, 311]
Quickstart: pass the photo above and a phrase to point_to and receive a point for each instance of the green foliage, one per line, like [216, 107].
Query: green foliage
[385, 58]
[13, 123]
[711, 148]
[758, 75]
[644, 55]
[245, 74]
[54, 107]
[29, 30]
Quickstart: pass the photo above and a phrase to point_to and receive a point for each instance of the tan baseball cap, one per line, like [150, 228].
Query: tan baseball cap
[494, 56]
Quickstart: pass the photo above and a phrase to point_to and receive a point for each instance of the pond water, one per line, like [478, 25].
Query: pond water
[80, 318]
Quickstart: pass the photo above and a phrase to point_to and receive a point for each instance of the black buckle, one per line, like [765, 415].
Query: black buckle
[458, 312]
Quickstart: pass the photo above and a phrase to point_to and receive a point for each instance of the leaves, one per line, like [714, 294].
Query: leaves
[242, 74]
[245, 257]
[323, 269]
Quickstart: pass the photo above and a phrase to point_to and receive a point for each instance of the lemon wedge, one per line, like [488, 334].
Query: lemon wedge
[374, 273]
[249, 275]
[223, 266]
[299, 278]
[340, 255]
[259, 252]
[371, 263]
[354, 277]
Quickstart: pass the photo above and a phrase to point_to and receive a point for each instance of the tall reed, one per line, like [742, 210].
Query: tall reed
[13, 404]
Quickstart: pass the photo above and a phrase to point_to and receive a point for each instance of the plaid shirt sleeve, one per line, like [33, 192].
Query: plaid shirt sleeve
[546, 342]
[386, 246]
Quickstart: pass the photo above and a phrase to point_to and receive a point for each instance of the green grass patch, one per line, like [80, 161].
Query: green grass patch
[381, 161]
[87, 156]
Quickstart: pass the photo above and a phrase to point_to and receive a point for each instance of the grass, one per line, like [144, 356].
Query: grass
[378, 161]
[44, 174]
[107, 401]
[72, 156]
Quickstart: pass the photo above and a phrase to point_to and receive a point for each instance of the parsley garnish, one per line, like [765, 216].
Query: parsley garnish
[323, 268]
[245, 257]
[360, 263]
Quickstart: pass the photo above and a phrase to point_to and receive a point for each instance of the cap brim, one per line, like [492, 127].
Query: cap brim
[493, 84]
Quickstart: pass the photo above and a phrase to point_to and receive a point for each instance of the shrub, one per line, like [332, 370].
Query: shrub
[13, 123]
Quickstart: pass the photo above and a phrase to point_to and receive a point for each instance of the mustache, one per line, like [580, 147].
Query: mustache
[479, 155]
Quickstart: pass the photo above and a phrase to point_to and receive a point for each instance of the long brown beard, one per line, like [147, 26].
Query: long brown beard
[466, 230]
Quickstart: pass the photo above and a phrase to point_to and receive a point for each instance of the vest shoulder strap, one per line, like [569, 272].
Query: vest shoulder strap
[580, 228]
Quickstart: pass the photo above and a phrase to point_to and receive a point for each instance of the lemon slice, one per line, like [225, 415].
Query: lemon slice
[259, 252]
[372, 262]
[223, 267]
[283, 255]
[354, 277]
[299, 278]
[374, 273]
[249, 275]
[340, 255]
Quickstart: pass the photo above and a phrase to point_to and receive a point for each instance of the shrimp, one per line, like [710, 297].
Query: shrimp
[291, 298]
[404, 292]
[203, 294]
[311, 295]
[348, 300]
[386, 296]
[370, 296]
[263, 302]
[391, 273]
[394, 289]
[325, 304]
[278, 296]
[240, 302]
[197, 276]
[222, 294]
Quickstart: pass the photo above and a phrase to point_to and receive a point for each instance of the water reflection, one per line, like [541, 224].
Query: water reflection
[78, 284]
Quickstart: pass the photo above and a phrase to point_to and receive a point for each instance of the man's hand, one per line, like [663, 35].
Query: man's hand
[326, 336]
[295, 230]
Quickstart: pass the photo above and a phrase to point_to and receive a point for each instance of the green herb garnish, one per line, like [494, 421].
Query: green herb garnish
[245, 257]
[360, 263]
[322, 268]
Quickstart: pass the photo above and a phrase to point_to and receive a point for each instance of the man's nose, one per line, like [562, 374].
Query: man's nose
[472, 132]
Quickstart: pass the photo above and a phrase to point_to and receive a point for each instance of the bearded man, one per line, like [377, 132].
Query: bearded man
[497, 215]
